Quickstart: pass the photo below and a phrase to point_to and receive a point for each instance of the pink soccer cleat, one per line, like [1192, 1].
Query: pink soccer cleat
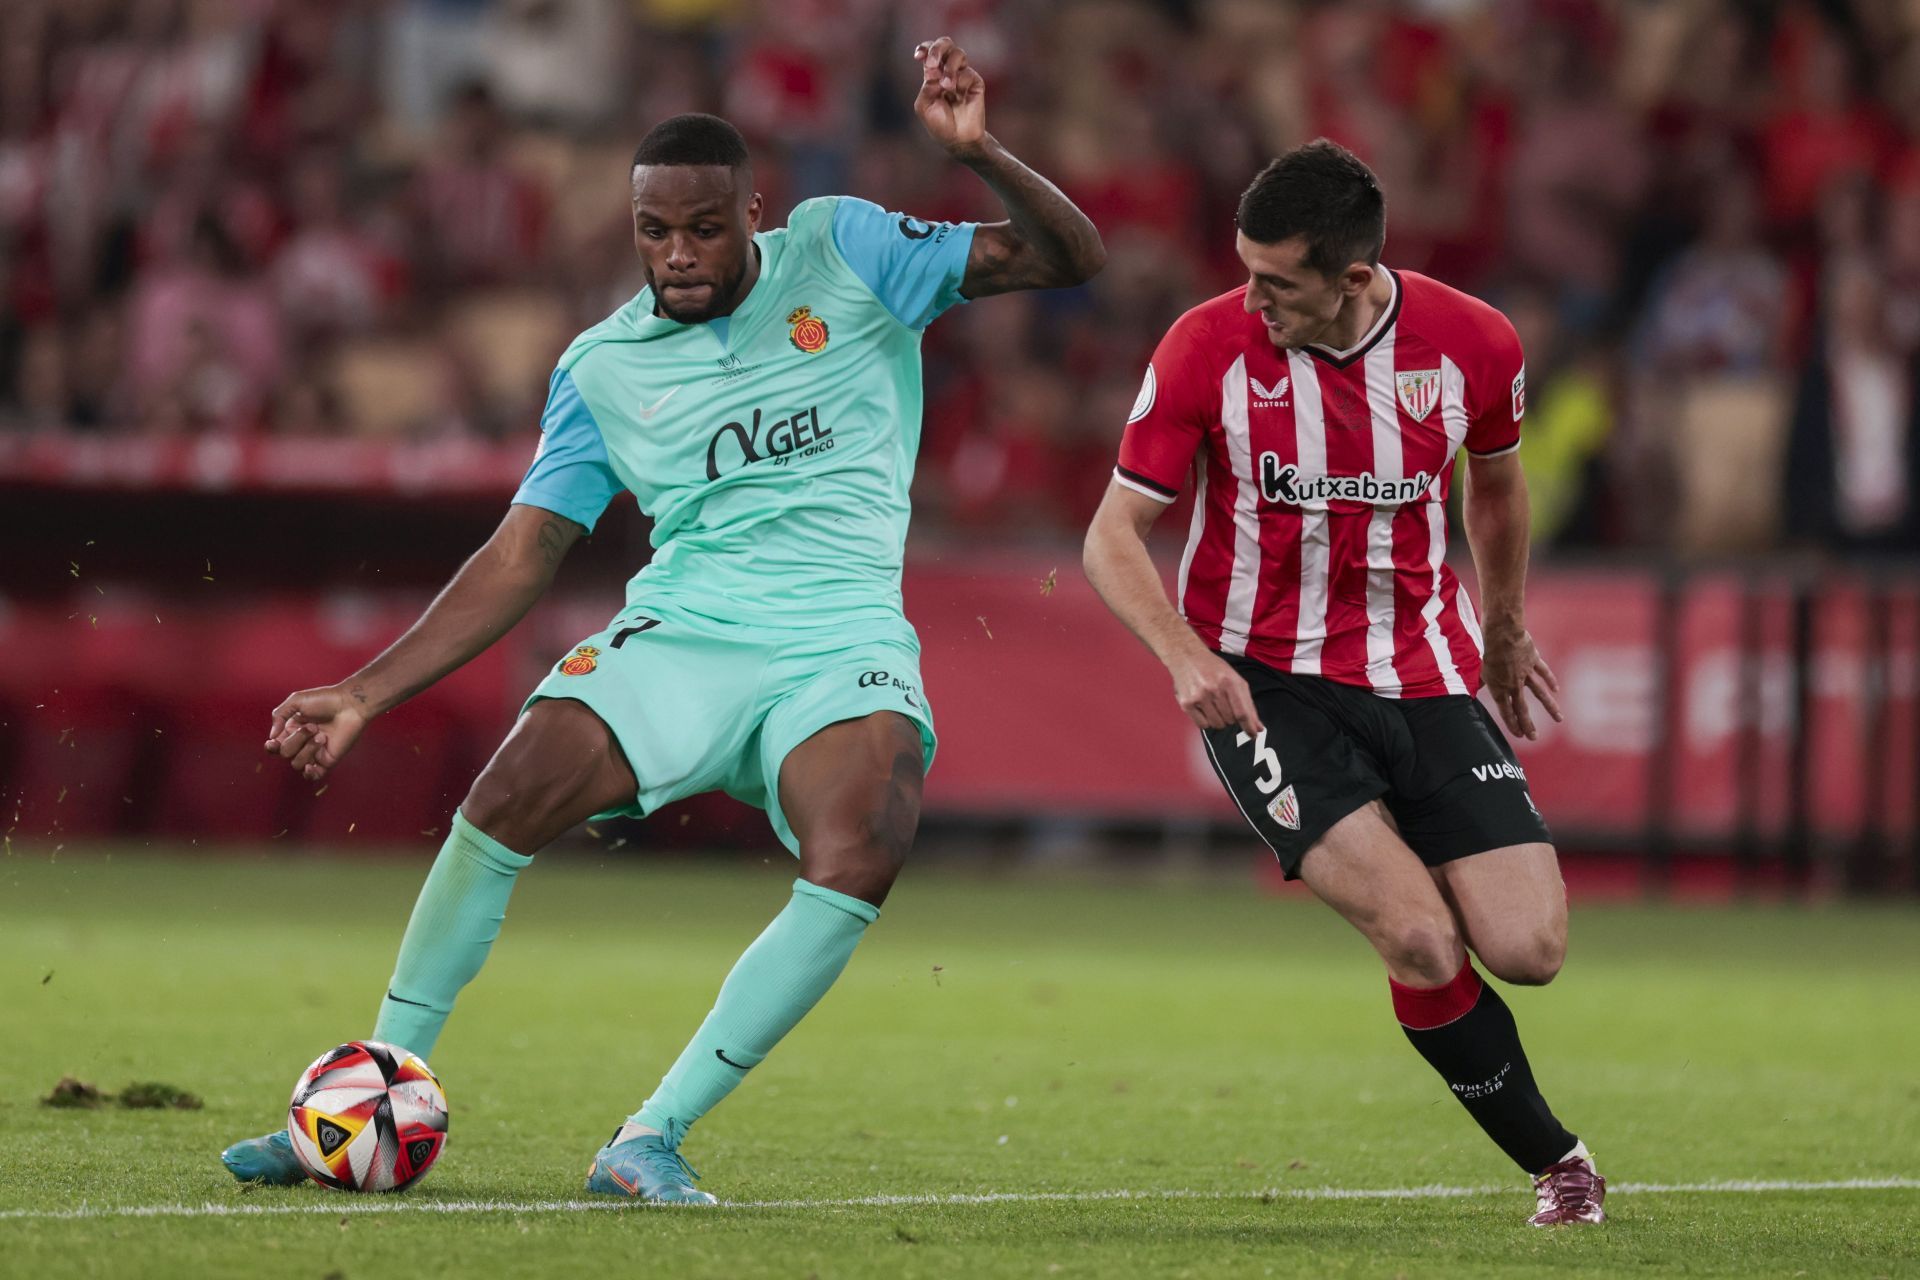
[1571, 1191]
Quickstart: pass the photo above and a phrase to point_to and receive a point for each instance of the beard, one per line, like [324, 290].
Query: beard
[720, 301]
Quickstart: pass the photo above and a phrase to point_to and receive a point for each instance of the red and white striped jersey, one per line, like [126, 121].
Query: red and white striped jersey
[1319, 520]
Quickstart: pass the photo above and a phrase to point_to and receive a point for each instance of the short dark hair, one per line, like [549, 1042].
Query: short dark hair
[693, 139]
[1324, 192]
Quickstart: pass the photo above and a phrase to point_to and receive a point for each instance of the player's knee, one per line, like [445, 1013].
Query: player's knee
[855, 840]
[856, 863]
[1532, 961]
[541, 780]
[1426, 948]
[489, 803]
[863, 858]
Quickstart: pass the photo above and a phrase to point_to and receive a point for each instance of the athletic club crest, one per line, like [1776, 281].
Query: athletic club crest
[806, 330]
[1419, 392]
[1285, 810]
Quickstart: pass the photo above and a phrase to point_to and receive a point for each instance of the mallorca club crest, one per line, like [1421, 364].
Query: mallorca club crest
[806, 330]
[582, 662]
[1419, 392]
[1285, 810]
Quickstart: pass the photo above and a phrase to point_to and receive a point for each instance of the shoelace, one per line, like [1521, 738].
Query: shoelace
[1570, 1189]
[666, 1161]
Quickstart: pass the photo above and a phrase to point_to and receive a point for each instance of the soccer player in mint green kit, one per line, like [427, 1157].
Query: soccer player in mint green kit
[761, 398]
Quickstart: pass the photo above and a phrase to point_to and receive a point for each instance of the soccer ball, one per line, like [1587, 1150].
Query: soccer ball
[367, 1116]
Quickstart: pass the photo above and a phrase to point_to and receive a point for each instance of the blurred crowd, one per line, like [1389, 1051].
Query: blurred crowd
[386, 217]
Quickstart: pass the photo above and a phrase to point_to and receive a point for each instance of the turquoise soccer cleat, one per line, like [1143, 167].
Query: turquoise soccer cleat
[649, 1168]
[267, 1159]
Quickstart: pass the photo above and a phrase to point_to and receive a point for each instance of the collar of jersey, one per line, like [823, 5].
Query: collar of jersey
[1389, 316]
[649, 325]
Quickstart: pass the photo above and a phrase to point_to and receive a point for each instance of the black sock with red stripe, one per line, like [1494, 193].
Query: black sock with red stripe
[1465, 1032]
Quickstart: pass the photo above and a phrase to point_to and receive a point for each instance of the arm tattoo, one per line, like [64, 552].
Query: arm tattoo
[1045, 243]
[553, 541]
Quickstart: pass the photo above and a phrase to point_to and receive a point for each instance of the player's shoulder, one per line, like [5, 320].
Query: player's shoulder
[1463, 326]
[820, 225]
[597, 340]
[826, 230]
[859, 227]
[816, 211]
[1213, 331]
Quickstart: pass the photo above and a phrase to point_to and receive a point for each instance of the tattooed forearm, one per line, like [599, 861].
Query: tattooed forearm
[1045, 243]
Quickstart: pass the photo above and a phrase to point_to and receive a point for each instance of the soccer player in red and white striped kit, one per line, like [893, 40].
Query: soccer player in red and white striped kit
[1323, 646]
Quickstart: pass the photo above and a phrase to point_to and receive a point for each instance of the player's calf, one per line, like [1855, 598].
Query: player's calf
[852, 794]
[1466, 1033]
[776, 982]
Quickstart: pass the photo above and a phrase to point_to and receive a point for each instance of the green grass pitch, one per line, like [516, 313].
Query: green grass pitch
[1046, 1038]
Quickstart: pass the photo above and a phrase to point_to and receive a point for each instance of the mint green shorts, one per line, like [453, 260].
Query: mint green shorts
[700, 705]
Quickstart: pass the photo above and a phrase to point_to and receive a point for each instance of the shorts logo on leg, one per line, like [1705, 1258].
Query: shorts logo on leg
[885, 680]
[1499, 770]
[1285, 810]
[583, 661]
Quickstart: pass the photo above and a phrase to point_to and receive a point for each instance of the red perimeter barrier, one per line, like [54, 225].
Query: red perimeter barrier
[1045, 705]
[127, 715]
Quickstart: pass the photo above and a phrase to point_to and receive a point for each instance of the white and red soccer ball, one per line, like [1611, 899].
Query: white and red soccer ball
[367, 1116]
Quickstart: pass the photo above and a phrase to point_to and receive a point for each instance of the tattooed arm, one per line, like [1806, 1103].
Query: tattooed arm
[314, 728]
[1046, 242]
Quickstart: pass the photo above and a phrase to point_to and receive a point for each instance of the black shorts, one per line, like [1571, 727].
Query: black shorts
[1445, 770]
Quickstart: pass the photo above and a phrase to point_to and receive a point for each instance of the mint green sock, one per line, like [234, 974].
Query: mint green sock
[455, 920]
[778, 979]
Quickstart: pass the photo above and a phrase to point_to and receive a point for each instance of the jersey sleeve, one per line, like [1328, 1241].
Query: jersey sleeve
[913, 267]
[1499, 401]
[570, 475]
[1170, 417]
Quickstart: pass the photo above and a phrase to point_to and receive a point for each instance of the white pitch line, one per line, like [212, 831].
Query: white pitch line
[343, 1205]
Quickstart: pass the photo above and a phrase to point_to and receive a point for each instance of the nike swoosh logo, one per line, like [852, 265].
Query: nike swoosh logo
[722, 1055]
[647, 411]
[403, 1000]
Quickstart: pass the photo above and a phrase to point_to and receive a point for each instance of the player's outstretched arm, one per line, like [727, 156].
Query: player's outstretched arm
[314, 728]
[1046, 242]
[1498, 521]
[1212, 693]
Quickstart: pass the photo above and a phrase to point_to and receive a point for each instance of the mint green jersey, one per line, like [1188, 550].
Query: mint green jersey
[773, 448]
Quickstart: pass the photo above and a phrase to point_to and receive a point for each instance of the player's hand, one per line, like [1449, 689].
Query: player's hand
[1513, 668]
[953, 97]
[1213, 694]
[314, 728]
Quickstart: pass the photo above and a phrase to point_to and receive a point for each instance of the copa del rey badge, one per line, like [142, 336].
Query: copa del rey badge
[1419, 392]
